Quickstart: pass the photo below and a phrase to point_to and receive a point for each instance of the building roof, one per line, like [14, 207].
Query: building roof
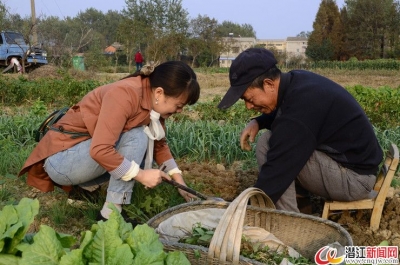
[296, 39]
[110, 50]
[116, 46]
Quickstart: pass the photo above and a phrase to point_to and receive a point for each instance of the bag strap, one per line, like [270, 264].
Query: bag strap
[52, 118]
[48, 124]
[73, 134]
[60, 129]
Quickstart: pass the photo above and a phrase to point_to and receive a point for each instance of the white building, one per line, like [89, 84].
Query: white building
[291, 46]
[234, 46]
[296, 46]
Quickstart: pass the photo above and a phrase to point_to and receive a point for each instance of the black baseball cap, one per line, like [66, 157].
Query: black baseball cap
[249, 64]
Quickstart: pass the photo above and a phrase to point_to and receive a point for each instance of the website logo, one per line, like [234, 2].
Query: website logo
[328, 255]
[357, 255]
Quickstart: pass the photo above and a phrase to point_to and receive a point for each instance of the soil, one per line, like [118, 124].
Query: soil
[227, 183]
[53, 72]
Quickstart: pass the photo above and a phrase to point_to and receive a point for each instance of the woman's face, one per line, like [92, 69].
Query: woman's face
[166, 105]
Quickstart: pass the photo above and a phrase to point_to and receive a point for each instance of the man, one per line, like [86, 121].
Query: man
[317, 134]
[138, 60]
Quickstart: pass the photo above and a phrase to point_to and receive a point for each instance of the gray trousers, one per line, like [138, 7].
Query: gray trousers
[322, 176]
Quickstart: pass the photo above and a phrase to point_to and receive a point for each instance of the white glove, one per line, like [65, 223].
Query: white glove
[132, 172]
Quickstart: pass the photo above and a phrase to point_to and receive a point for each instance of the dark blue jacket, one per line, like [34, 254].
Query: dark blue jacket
[315, 113]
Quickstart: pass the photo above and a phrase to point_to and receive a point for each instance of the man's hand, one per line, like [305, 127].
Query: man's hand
[248, 135]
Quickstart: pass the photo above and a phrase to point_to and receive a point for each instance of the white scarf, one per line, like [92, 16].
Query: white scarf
[154, 131]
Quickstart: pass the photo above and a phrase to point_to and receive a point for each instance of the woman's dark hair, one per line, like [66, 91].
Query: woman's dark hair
[176, 78]
[273, 73]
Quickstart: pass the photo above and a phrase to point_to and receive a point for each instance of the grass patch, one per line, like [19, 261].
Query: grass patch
[6, 195]
[61, 212]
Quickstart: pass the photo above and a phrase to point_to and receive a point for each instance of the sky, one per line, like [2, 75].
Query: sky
[271, 19]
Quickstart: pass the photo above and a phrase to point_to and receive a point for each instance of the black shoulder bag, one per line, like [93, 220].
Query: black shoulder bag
[47, 125]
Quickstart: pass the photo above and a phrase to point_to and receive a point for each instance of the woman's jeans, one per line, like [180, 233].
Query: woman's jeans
[322, 176]
[74, 166]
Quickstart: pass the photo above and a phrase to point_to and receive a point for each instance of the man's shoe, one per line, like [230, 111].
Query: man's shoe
[127, 219]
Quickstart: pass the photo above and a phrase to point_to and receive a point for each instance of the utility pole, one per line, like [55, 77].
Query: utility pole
[34, 27]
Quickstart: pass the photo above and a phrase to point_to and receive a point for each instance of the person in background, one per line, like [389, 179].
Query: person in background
[106, 136]
[317, 135]
[13, 62]
[138, 60]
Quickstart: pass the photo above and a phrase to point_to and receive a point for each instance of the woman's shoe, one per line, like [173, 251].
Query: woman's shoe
[80, 195]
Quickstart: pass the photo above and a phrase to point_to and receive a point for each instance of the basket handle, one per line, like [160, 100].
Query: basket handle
[225, 244]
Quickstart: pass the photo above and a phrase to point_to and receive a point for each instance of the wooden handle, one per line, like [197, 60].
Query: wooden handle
[185, 188]
[225, 244]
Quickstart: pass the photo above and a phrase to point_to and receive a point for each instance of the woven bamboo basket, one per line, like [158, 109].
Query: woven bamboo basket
[305, 233]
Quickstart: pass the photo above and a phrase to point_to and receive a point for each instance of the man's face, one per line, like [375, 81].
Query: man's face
[263, 99]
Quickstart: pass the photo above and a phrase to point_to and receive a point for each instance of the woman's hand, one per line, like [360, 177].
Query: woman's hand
[151, 177]
[186, 195]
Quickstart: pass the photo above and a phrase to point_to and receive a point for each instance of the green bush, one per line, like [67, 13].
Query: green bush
[354, 64]
[59, 92]
[381, 105]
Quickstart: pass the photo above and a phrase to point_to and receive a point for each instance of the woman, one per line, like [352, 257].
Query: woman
[118, 124]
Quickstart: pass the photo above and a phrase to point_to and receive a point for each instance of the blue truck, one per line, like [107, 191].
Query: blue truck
[15, 53]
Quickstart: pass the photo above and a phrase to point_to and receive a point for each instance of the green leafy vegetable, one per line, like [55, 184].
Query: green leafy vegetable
[176, 258]
[200, 236]
[112, 242]
[145, 244]
[46, 248]
[14, 223]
